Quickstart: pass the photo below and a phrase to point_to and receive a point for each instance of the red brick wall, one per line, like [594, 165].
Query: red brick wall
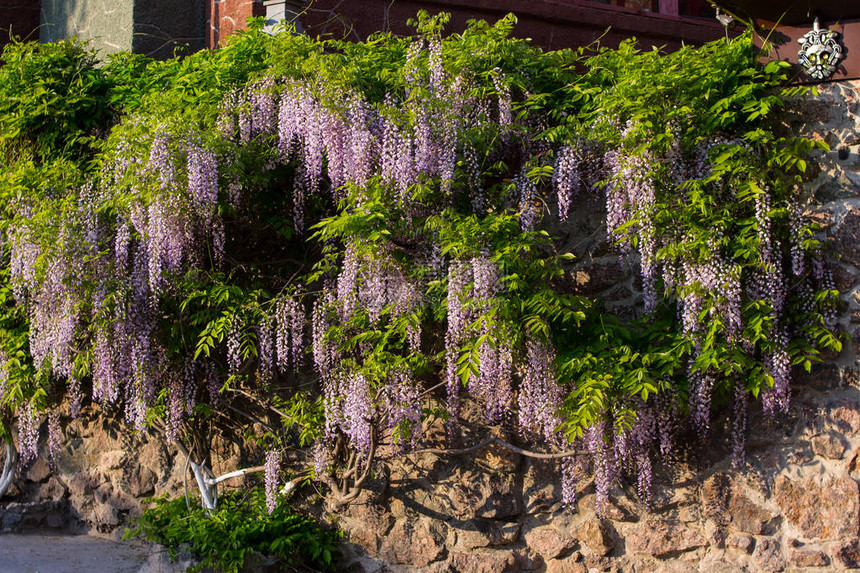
[21, 17]
[223, 17]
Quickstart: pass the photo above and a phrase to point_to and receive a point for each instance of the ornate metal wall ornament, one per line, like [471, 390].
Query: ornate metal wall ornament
[820, 52]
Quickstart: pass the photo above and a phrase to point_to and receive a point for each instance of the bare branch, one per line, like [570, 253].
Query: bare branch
[9, 467]
[252, 418]
[504, 444]
[257, 401]
[237, 473]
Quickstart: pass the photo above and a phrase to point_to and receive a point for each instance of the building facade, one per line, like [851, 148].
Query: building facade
[162, 28]
[158, 28]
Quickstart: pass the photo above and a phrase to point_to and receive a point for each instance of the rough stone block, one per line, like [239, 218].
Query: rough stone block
[548, 542]
[485, 562]
[848, 554]
[830, 446]
[483, 495]
[768, 555]
[725, 503]
[416, 542]
[664, 538]
[847, 237]
[596, 537]
[827, 510]
[38, 471]
[808, 558]
[742, 543]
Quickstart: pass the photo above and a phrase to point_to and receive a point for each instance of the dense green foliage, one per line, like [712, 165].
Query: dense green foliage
[228, 538]
[179, 232]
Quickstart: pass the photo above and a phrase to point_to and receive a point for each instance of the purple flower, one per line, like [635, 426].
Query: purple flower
[273, 461]
[55, 436]
[540, 394]
[28, 435]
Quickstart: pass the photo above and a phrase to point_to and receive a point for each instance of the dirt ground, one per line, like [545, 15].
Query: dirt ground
[34, 553]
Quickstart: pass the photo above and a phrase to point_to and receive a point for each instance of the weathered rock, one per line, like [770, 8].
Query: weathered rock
[18, 517]
[372, 516]
[484, 562]
[540, 497]
[548, 542]
[847, 237]
[416, 542]
[528, 560]
[80, 484]
[743, 543]
[571, 564]
[103, 492]
[716, 494]
[664, 538]
[38, 471]
[480, 494]
[112, 460]
[141, 481]
[105, 516]
[828, 510]
[844, 417]
[52, 490]
[821, 376]
[829, 445]
[160, 562]
[853, 465]
[617, 293]
[600, 274]
[849, 554]
[716, 535]
[471, 534]
[808, 558]
[715, 562]
[596, 537]
[504, 533]
[476, 533]
[365, 564]
[725, 503]
[155, 455]
[747, 516]
[768, 555]
[497, 458]
[361, 535]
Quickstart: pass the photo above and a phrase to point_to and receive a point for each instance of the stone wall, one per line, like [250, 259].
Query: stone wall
[796, 506]
[109, 25]
[102, 474]
[834, 194]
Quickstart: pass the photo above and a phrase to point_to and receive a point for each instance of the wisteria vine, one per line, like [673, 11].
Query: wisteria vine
[356, 247]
